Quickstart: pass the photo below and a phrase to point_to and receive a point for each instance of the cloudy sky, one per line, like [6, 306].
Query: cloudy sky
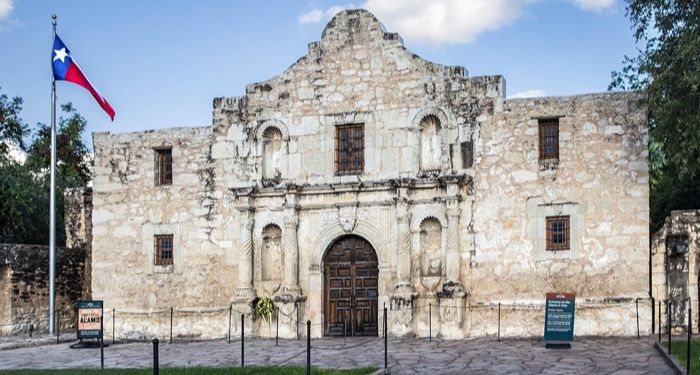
[161, 62]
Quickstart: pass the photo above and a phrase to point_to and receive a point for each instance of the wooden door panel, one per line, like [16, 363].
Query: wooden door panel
[351, 288]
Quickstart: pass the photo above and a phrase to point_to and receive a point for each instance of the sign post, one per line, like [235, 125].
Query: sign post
[90, 325]
[559, 320]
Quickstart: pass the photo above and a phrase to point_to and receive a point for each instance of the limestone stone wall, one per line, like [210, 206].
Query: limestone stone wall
[601, 177]
[675, 249]
[451, 198]
[24, 286]
[78, 221]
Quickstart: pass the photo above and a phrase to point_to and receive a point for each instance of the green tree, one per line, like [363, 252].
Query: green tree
[12, 128]
[668, 70]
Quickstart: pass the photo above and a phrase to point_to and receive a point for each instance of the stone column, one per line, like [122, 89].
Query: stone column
[245, 294]
[245, 261]
[401, 313]
[453, 257]
[289, 298]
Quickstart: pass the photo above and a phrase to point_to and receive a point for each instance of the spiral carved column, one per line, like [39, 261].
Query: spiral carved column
[245, 263]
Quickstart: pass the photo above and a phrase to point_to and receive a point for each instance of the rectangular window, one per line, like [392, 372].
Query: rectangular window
[549, 138]
[350, 149]
[163, 249]
[164, 167]
[558, 233]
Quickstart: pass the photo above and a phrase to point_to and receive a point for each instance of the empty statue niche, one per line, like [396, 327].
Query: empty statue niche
[272, 153]
[272, 255]
[430, 143]
[431, 247]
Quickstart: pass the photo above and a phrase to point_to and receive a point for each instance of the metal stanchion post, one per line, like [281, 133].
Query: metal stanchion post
[659, 320]
[277, 330]
[690, 338]
[58, 326]
[242, 340]
[156, 371]
[668, 317]
[114, 312]
[430, 321]
[345, 327]
[296, 307]
[171, 325]
[102, 346]
[308, 347]
[499, 322]
[636, 302]
[386, 337]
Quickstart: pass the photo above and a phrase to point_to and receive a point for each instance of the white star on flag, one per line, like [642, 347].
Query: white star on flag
[60, 54]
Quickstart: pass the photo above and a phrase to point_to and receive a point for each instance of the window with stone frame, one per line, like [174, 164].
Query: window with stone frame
[164, 253]
[164, 166]
[549, 138]
[349, 149]
[558, 233]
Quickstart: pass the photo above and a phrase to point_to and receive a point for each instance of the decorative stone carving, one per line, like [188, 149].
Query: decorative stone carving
[403, 250]
[430, 143]
[347, 215]
[271, 153]
[452, 257]
[401, 315]
[451, 315]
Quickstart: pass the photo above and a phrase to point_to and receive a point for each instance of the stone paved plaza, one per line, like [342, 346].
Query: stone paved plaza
[406, 356]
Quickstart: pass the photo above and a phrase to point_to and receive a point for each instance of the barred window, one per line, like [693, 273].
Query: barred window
[549, 138]
[163, 250]
[164, 166]
[350, 149]
[558, 233]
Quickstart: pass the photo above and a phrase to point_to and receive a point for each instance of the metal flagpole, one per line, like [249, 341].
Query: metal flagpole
[52, 200]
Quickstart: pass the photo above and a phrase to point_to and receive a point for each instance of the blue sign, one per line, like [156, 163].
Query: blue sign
[559, 317]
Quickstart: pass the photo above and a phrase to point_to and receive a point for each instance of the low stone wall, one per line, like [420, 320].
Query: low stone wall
[24, 286]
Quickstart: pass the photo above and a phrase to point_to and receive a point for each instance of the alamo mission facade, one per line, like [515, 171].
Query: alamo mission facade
[365, 176]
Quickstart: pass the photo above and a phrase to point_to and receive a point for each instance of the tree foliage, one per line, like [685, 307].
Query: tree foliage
[24, 188]
[12, 128]
[667, 68]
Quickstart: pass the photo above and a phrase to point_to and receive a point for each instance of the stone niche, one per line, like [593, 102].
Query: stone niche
[271, 258]
[675, 250]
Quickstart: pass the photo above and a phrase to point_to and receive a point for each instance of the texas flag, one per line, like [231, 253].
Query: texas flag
[66, 69]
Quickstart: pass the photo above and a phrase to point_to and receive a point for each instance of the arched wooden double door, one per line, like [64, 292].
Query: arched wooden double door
[351, 288]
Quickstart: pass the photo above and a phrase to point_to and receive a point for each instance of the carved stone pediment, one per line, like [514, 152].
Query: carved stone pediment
[347, 215]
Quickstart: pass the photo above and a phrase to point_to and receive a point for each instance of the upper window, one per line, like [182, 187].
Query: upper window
[164, 167]
[272, 151]
[549, 138]
[163, 250]
[350, 149]
[558, 233]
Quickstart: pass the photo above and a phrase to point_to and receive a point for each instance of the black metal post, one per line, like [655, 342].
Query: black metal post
[690, 332]
[230, 313]
[242, 340]
[31, 329]
[156, 370]
[308, 347]
[430, 321]
[296, 307]
[114, 313]
[171, 325]
[386, 337]
[102, 346]
[277, 330]
[499, 322]
[659, 321]
[345, 327]
[668, 317]
[636, 302]
[58, 326]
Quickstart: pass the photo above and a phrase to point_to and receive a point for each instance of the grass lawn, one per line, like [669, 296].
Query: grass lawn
[679, 349]
[285, 370]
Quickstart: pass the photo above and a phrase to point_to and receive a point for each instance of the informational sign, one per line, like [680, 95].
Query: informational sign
[559, 317]
[90, 319]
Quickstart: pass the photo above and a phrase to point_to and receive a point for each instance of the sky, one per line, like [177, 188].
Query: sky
[160, 63]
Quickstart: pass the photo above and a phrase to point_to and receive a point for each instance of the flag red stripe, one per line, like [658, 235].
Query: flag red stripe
[75, 75]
